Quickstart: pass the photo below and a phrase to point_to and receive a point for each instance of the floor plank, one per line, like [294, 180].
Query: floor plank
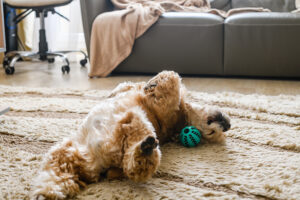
[40, 74]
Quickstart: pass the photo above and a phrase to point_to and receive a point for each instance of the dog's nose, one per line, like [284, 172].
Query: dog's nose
[226, 126]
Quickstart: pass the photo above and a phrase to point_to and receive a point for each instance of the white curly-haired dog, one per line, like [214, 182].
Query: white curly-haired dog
[120, 136]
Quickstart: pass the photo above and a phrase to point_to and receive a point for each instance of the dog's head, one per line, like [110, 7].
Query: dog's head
[211, 122]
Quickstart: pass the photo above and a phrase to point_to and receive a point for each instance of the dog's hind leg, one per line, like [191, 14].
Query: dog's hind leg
[63, 173]
[141, 152]
[141, 160]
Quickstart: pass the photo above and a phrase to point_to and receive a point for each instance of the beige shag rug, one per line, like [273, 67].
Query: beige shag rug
[261, 159]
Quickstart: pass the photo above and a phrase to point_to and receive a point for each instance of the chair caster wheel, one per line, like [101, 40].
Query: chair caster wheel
[83, 62]
[51, 60]
[5, 63]
[9, 70]
[65, 68]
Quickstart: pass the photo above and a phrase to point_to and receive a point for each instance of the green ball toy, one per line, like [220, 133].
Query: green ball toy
[190, 136]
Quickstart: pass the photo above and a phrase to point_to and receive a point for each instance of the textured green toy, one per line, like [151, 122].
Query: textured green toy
[190, 136]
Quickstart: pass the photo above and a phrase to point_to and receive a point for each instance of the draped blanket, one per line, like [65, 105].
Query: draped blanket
[114, 33]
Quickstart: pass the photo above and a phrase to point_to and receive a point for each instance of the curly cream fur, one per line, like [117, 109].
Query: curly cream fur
[119, 136]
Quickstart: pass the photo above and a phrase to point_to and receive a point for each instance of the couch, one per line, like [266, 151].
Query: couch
[246, 44]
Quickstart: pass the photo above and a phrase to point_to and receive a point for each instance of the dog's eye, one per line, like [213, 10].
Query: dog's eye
[209, 122]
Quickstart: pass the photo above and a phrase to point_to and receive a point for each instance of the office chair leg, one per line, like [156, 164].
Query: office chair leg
[5, 62]
[51, 60]
[9, 63]
[8, 57]
[82, 62]
[64, 68]
[9, 70]
[9, 66]
[11, 59]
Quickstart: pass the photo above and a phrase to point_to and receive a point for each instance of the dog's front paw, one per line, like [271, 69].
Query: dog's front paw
[215, 123]
[216, 116]
[210, 121]
[148, 145]
[140, 162]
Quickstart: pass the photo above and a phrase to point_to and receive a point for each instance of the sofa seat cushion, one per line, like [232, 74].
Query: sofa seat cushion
[264, 19]
[189, 43]
[273, 5]
[262, 44]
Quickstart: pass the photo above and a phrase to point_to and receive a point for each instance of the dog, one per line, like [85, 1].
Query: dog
[122, 134]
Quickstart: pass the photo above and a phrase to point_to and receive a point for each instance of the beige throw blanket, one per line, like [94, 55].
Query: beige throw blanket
[114, 33]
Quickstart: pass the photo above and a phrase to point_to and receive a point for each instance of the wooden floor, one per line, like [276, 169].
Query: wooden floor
[39, 74]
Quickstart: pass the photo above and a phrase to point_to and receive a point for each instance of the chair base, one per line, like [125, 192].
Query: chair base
[43, 53]
[11, 58]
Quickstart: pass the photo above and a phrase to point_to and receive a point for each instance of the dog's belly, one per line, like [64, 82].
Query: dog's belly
[99, 131]
[102, 120]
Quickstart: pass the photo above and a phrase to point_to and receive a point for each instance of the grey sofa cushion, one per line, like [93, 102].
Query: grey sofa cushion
[262, 44]
[90, 9]
[189, 43]
[273, 5]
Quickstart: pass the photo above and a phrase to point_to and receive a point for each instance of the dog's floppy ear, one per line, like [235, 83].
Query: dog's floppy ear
[131, 121]
[188, 107]
[127, 119]
[190, 112]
